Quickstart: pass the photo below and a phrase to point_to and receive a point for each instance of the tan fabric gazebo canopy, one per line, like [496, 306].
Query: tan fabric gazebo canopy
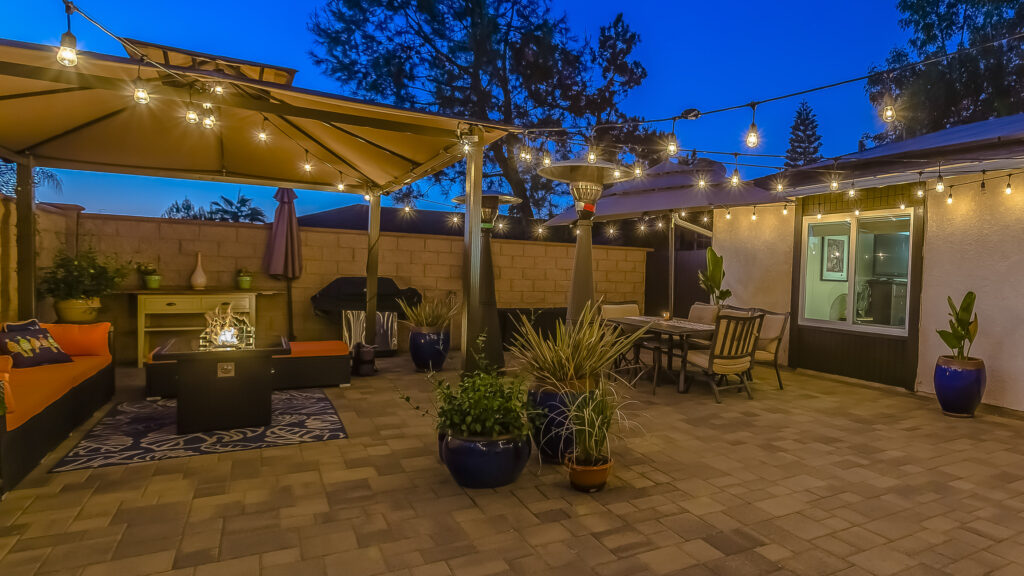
[85, 118]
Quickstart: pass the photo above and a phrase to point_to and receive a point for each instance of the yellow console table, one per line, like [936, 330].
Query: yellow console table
[179, 311]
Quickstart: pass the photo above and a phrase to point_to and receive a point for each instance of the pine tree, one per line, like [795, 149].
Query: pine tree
[804, 141]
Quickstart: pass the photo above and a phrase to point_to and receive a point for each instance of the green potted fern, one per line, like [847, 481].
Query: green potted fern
[76, 283]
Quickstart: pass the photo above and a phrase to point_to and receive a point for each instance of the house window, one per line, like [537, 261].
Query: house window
[856, 271]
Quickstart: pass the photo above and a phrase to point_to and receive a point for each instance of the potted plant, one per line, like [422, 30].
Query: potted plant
[711, 278]
[482, 427]
[243, 278]
[593, 417]
[563, 365]
[150, 276]
[429, 330]
[960, 379]
[76, 284]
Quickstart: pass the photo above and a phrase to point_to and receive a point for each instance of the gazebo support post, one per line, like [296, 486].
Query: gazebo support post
[26, 239]
[472, 248]
[671, 265]
[372, 261]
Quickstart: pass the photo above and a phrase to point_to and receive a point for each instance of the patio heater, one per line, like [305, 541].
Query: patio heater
[586, 178]
[492, 352]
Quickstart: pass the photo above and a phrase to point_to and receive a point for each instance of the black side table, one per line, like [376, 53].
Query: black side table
[222, 389]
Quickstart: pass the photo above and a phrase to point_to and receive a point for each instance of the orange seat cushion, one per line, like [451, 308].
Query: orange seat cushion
[6, 365]
[81, 339]
[38, 387]
[318, 348]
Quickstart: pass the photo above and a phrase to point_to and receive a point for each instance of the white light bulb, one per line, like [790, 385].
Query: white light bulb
[903, 205]
[752, 136]
[819, 215]
[366, 197]
[853, 192]
[939, 184]
[1009, 189]
[701, 182]
[728, 214]
[209, 121]
[638, 171]
[465, 147]
[735, 179]
[704, 219]
[753, 216]
[262, 135]
[191, 116]
[888, 114]
[856, 212]
[547, 159]
[67, 54]
[785, 210]
[617, 173]
[833, 185]
[779, 187]
[949, 199]
[920, 191]
[218, 90]
[307, 167]
[341, 186]
[141, 95]
[406, 209]
[673, 148]
[592, 157]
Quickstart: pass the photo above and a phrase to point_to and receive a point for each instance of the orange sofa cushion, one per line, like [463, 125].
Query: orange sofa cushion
[318, 348]
[38, 387]
[81, 339]
[6, 365]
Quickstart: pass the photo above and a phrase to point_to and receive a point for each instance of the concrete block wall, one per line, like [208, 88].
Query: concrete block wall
[527, 273]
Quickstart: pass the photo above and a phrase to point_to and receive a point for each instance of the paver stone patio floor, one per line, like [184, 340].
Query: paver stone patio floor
[824, 477]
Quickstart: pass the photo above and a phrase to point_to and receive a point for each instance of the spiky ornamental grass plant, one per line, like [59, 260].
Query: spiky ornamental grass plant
[431, 313]
[572, 358]
[595, 417]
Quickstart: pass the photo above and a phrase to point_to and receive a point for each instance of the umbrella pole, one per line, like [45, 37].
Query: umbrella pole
[291, 318]
[672, 265]
[26, 223]
[370, 335]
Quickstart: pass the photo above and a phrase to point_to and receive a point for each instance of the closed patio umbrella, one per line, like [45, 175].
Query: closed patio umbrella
[283, 258]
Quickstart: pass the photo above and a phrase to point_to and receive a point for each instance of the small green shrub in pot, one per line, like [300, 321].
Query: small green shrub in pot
[76, 283]
[243, 278]
[959, 378]
[482, 427]
[150, 275]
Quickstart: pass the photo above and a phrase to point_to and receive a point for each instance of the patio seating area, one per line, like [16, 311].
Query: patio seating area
[825, 477]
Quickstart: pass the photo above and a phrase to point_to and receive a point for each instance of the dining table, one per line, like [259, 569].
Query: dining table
[670, 329]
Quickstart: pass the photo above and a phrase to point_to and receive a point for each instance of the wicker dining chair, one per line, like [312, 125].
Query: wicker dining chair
[731, 353]
[772, 331]
[632, 360]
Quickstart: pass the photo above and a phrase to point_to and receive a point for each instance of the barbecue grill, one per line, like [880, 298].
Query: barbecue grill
[343, 301]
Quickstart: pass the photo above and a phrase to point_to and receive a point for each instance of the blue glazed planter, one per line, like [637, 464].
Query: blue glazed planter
[429, 350]
[485, 462]
[959, 385]
[551, 430]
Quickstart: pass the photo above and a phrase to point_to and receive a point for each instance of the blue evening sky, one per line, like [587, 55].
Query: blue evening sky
[698, 55]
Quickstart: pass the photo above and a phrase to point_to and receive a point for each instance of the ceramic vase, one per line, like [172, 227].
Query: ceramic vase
[198, 279]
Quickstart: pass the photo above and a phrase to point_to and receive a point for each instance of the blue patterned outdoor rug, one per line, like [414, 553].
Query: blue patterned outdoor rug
[146, 431]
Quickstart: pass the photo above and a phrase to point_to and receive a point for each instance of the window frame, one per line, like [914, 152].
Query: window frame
[849, 324]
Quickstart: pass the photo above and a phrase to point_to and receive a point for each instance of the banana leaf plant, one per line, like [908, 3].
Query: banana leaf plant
[963, 327]
[711, 278]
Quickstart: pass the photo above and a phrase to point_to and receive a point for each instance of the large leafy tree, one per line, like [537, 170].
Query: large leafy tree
[185, 209]
[42, 177]
[512, 61]
[804, 140]
[969, 87]
[241, 209]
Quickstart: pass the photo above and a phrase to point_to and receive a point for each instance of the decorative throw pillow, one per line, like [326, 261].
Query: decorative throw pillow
[20, 326]
[30, 348]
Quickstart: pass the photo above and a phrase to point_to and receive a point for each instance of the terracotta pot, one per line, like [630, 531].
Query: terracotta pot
[959, 385]
[77, 311]
[589, 478]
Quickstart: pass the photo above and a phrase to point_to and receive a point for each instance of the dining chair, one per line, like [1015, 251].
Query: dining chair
[770, 340]
[731, 353]
[634, 361]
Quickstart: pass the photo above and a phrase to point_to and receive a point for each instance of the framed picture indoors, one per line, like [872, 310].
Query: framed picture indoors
[835, 258]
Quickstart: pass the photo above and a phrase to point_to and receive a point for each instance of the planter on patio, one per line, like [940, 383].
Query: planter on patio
[485, 462]
[959, 385]
[429, 348]
[77, 310]
[550, 427]
[589, 478]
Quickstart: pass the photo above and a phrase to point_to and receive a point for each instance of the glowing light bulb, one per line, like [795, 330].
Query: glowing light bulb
[546, 160]
[141, 94]
[833, 184]
[903, 205]
[672, 148]
[819, 215]
[682, 213]
[728, 214]
[702, 183]
[67, 54]
[307, 167]
[753, 215]
[218, 90]
[778, 186]
[853, 192]
[611, 231]
[785, 209]
[591, 156]
[406, 209]
[735, 179]
[501, 226]
[455, 219]
[366, 197]
[920, 191]
[262, 135]
[191, 116]
[341, 186]
[704, 219]
[856, 212]
[949, 199]
[752, 136]
[616, 173]
[209, 121]
[939, 184]
[660, 224]
[638, 171]
[1009, 189]
[465, 147]
[577, 231]
[888, 113]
